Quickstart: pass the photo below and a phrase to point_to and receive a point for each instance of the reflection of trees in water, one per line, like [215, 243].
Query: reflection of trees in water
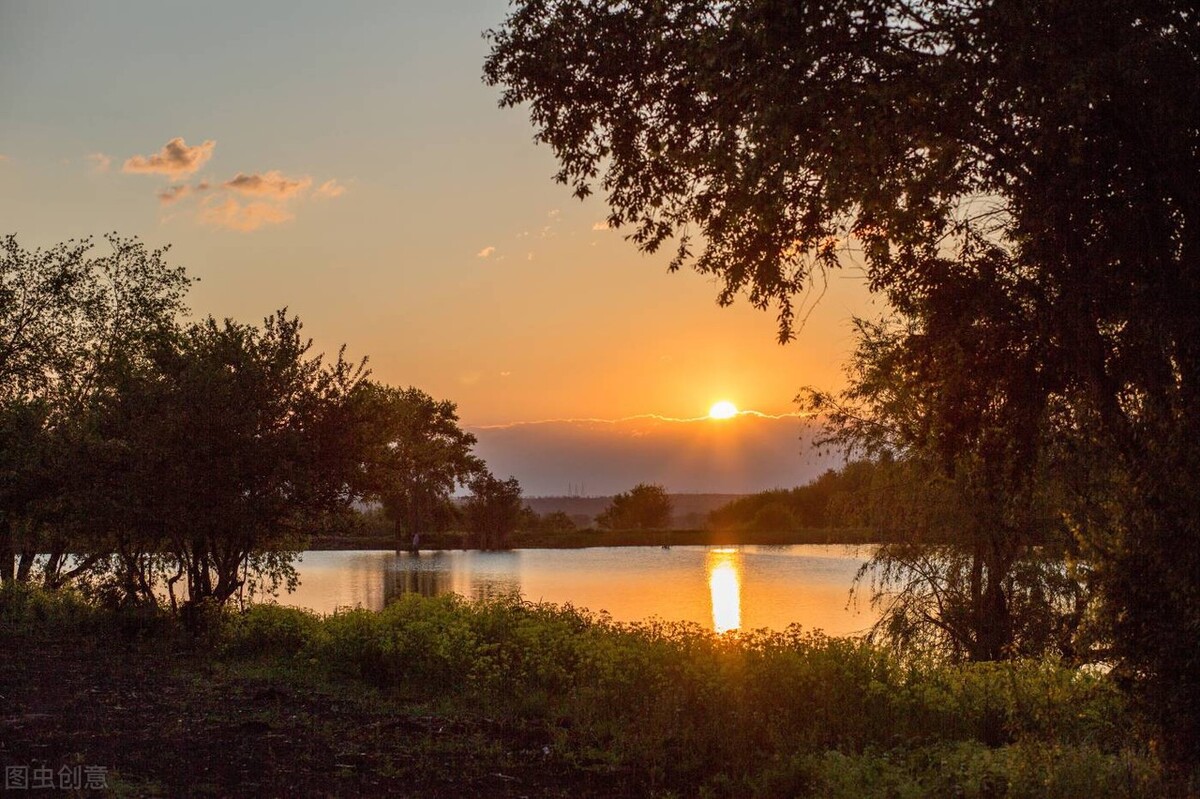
[431, 575]
[414, 577]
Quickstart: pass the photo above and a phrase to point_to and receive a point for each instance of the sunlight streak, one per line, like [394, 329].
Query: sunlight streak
[725, 584]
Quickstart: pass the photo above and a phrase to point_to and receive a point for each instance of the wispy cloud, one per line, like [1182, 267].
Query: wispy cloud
[100, 162]
[271, 184]
[601, 225]
[232, 215]
[486, 252]
[329, 190]
[175, 160]
[174, 193]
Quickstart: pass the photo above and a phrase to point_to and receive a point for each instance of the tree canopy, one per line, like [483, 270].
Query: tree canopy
[154, 460]
[417, 455]
[1019, 180]
[643, 507]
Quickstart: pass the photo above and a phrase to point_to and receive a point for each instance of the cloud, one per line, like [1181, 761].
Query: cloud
[232, 215]
[600, 225]
[486, 252]
[100, 162]
[174, 193]
[268, 184]
[329, 190]
[175, 160]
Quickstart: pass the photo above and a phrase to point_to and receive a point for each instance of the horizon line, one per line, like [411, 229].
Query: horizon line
[639, 416]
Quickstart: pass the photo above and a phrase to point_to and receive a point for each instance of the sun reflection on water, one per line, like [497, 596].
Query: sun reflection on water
[725, 583]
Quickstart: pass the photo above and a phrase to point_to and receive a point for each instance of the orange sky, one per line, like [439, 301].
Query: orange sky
[353, 167]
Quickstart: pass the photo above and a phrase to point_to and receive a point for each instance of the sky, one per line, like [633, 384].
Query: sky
[346, 161]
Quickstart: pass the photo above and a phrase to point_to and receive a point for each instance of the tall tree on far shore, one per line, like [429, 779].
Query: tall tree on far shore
[416, 455]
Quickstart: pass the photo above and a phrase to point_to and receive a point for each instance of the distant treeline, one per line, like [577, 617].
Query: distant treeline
[858, 497]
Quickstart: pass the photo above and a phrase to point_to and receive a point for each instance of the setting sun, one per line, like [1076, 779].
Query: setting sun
[723, 410]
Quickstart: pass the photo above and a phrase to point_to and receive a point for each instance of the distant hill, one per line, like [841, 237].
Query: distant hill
[690, 510]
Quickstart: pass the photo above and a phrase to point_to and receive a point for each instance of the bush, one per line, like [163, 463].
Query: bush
[754, 712]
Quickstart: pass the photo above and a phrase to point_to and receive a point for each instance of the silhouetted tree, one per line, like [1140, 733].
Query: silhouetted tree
[416, 456]
[68, 320]
[992, 162]
[643, 507]
[221, 458]
[493, 510]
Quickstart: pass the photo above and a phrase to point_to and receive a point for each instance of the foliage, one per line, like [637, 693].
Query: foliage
[223, 449]
[416, 455]
[493, 511]
[759, 713]
[643, 507]
[68, 321]
[554, 522]
[838, 498]
[981, 566]
[1018, 179]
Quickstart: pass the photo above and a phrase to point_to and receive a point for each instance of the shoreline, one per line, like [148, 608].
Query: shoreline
[584, 539]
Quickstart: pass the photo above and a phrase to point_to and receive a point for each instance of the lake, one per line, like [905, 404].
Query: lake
[719, 588]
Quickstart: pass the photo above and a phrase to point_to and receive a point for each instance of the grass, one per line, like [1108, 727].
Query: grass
[443, 696]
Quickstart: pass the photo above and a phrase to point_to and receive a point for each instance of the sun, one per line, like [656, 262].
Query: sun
[722, 410]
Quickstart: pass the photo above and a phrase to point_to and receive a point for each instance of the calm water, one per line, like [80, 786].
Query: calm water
[721, 588]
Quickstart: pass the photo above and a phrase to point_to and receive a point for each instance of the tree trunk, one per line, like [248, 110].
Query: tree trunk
[7, 553]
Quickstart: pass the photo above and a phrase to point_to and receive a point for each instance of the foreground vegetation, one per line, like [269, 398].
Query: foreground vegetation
[444, 696]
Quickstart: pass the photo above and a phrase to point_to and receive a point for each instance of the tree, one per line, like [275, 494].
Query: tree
[643, 507]
[68, 321]
[1045, 151]
[416, 455]
[219, 453]
[493, 510]
[974, 561]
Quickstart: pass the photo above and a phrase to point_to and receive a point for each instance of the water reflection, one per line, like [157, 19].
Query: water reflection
[722, 588]
[725, 585]
[437, 573]
[402, 578]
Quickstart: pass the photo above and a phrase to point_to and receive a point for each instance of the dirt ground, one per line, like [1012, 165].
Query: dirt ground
[161, 724]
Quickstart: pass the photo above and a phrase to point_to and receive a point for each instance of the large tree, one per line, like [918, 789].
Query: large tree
[416, 455]
[218, 455]
[69, 320]
[1048, 151]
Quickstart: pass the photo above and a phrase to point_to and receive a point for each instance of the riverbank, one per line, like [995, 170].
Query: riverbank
[582, 539]
[443, 697]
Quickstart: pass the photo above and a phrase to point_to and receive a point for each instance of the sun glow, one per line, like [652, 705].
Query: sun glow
[722, 410]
